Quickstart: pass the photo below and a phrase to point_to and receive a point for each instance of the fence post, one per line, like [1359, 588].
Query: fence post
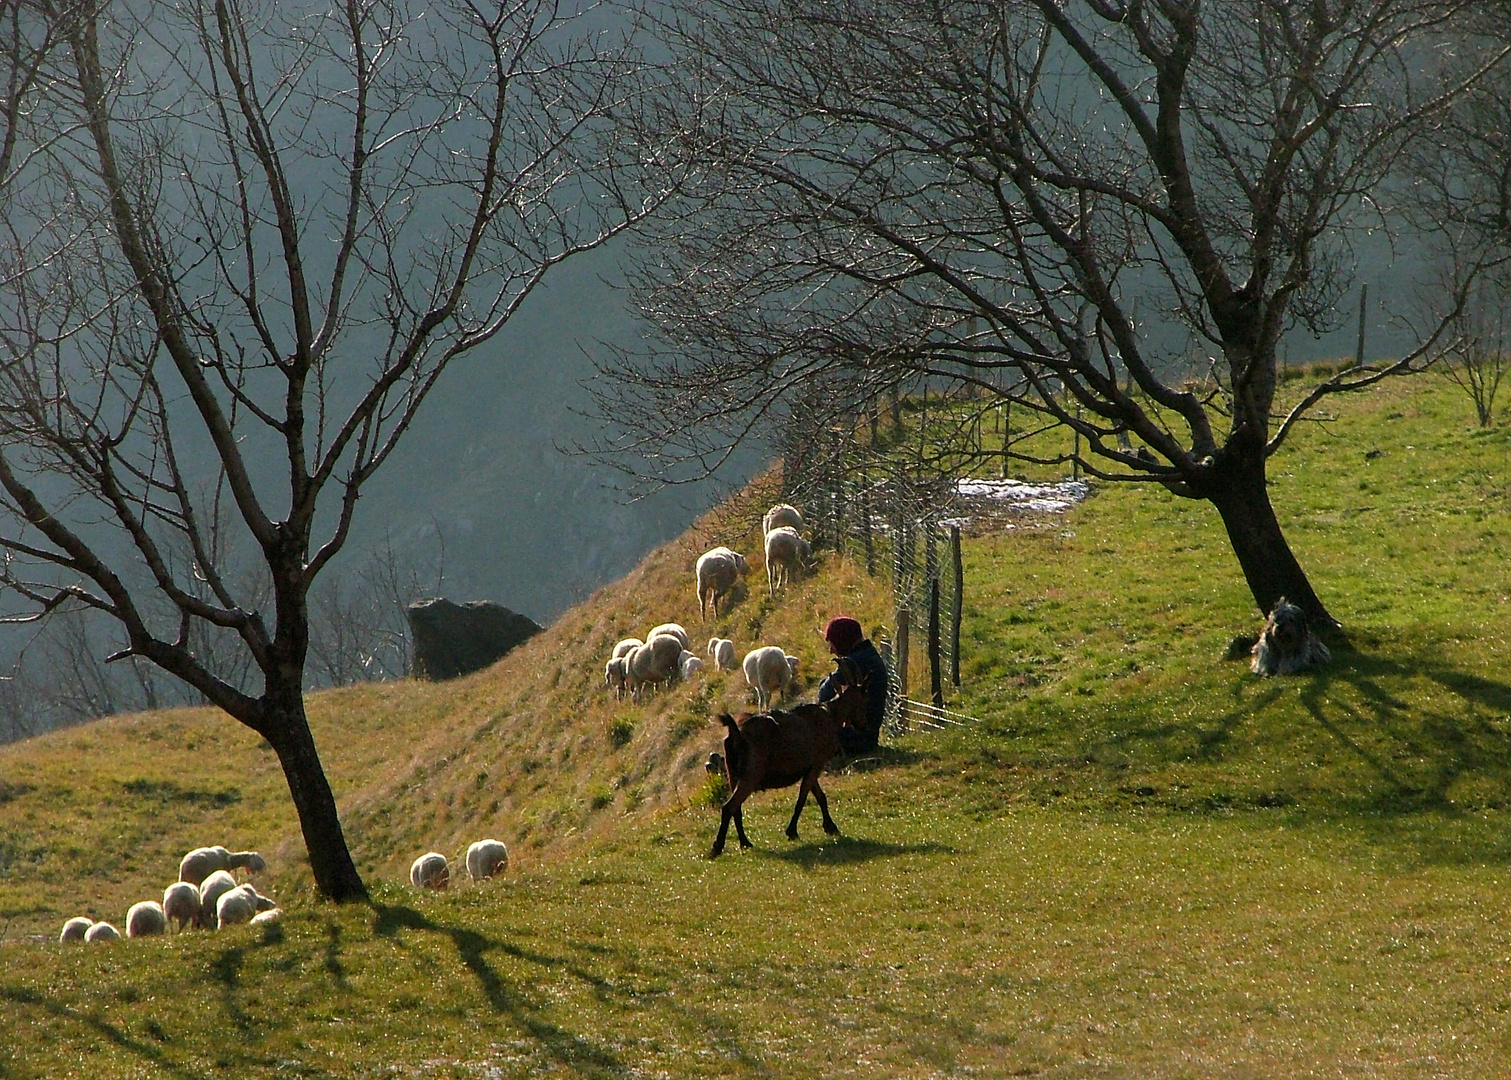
[865, 524]
[1007, 432]
[936, 685]
[904, 617]
[957, 602]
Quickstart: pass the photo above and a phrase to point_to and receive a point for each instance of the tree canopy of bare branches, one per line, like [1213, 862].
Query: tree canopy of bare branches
[1056, 201]
[239, 244]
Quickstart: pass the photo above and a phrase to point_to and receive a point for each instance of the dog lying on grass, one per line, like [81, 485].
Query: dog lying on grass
[1287, 645]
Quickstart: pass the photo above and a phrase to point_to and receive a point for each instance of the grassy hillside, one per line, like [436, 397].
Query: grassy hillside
[1142, 862]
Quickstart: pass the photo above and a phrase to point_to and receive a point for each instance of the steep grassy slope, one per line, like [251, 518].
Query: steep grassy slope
[1142, 862]
[533, 751]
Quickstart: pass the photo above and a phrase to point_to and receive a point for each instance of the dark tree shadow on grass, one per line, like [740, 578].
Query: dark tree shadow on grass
[16, 1000]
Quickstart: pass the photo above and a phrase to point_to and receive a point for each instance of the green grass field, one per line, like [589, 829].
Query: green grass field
[1142, 862]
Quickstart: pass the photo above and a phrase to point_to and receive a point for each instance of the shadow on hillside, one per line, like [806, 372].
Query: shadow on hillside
[473, 948]
[1193, 740]
[16, 1000]
[1422, 748]
[847, 850]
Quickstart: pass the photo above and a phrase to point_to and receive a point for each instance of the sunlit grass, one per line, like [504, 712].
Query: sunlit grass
[1142, 862]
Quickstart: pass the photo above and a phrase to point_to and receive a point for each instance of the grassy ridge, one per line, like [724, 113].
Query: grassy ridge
[1143, 862]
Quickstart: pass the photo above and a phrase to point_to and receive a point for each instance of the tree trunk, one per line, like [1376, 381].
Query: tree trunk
[1239, 490]
[288, 731]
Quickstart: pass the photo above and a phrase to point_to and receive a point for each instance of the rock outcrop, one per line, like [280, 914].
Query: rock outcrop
[454, 639]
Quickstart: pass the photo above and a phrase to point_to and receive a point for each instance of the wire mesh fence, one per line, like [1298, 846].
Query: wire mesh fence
[895, 493]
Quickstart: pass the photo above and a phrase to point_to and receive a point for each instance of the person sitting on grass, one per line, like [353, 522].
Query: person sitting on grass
[846, 639]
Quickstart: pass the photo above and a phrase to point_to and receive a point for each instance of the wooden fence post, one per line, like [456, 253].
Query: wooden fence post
[936, 685]
[900, 655]
[957, 602]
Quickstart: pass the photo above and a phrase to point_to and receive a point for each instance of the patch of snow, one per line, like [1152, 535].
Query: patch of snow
[1049, 498]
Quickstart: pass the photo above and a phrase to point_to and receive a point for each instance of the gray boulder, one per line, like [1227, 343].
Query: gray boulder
[454, 639]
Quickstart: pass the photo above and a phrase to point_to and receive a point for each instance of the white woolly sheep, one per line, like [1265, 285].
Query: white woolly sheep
[723, 652]
[718, 571]
[210, 891]
[240, 905]
[689, 664]
[655, 662]
[786, 552]
[623, 646]
[75, 928]
[486, 858]
[201, 862]
[670, 629]
[769, 671]
[779, 515]
[614, 674]
[102, 931]
[430, 871]
[146, 918]
[269, 916]
[181, 903]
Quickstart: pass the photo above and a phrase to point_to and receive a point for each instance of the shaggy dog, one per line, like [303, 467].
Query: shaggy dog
[1287, 644]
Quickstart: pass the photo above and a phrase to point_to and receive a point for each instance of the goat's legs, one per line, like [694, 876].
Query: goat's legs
[732, 811]
[823, 806]
[810, 783]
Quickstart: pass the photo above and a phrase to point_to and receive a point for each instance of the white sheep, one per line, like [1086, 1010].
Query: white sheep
[670, 629]
[786, 552]
[769, 671]
[75, 928]
[623, 646]
[201, 862]
[181, 903]
[240, 905]
[210, 891]
[615, 672]
[723, 652]
[689, 665]
[655, 662]
[146, 918]
[779, 515]
[718, 571]
[486, 858]
[271, 915]
[102, 931]
[430, 871]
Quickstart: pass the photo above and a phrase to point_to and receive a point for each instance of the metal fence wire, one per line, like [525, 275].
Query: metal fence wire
[901, 514]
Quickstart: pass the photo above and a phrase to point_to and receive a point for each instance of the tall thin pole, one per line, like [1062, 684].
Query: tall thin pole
[956, 603]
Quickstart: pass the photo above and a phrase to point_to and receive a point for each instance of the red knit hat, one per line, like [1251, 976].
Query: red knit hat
[844, 633]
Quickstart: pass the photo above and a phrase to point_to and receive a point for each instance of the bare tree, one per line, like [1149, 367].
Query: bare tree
[239, 244]
[1049, 201]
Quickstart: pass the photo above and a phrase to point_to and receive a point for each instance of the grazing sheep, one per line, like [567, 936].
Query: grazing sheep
[1287, 644]
[201, 862]
[782, 514]
[623, 646]
[75, 928]
[181, 903]
[271, 915]
[655, 662]
[210, 891]
[670, 629]
[723, 652]
[690, 665]
[718, 571]
[102, 931]
[762, 751]
[486, 858]
[768, 671]
[240, 905]
[146, 918]
[615, 672]
[430, 871]
[786, 552]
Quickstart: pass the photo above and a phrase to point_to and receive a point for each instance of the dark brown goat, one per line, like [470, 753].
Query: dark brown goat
[771, 750]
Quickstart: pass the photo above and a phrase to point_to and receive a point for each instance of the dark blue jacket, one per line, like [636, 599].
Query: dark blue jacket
[869, 661]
